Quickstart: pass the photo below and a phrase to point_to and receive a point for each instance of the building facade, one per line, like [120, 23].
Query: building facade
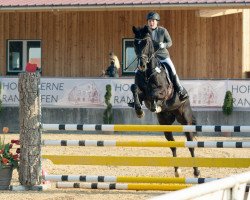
[70, 41]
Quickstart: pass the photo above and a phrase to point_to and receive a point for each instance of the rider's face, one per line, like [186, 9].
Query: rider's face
[152, 23]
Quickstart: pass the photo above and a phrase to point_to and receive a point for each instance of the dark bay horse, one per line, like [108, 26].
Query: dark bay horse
[153, 86]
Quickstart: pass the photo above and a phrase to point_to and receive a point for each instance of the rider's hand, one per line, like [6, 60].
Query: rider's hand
[162, 45]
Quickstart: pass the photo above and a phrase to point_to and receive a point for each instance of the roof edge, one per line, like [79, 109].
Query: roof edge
[106, 7]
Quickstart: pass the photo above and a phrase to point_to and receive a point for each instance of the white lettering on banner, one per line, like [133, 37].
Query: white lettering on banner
[89, 93]
[240, 91]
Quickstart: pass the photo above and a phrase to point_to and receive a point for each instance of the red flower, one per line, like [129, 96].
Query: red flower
[18, 150]
[17, 142]
[15, 157]
[7, 154]
[5, 161]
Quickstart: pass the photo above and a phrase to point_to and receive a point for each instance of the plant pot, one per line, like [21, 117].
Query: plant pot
[5, 177]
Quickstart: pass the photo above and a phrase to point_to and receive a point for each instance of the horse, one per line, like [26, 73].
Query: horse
[154, 87]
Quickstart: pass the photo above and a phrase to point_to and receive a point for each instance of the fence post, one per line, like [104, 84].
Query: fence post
[30, 133]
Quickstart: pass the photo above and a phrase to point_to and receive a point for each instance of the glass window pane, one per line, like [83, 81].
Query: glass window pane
[34, 52]
[129, 56]
[15, 59]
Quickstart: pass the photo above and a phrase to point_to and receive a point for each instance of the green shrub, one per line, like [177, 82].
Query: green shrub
[228, 103]
[108, 113]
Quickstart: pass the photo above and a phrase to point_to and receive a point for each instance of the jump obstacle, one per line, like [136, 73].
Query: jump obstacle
[140, 183]
[117, 143]
[145, 128]
[149, 161]
[123, 186]
[125, 182]
[126, 179]
[146, 183]
[128, 186]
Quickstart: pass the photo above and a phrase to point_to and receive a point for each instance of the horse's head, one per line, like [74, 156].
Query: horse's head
[143, 46]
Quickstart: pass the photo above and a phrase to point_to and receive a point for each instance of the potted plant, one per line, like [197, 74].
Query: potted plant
[108, 113]
[8, 160]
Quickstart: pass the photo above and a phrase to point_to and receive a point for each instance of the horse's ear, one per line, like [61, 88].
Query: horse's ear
[149, 30]
[146, 29]
[135, 30]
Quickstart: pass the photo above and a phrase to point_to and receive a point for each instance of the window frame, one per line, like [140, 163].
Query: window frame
[124, 56]
[24, 54]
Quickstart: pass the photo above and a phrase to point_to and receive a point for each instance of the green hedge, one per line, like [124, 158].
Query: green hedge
[108, 113]
[228, 103]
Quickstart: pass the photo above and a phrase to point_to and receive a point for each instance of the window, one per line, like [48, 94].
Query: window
[128, 57]
[20, 52]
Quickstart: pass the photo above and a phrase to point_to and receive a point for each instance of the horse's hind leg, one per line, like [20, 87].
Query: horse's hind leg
[189, 119]
[190, 138]
[167, 119]
[169, 137]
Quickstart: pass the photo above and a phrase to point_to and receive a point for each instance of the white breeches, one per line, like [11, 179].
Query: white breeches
[170, 63]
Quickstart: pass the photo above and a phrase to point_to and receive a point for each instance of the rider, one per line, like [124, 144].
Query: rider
[162, 41]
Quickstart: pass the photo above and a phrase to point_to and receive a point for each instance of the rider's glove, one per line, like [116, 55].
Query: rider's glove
[162, 45]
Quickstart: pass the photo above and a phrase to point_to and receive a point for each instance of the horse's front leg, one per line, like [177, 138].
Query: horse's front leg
[169, 137]
[190, 138]
[137, 100]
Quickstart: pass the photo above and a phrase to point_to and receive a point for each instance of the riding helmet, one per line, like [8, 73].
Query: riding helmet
[153, 15]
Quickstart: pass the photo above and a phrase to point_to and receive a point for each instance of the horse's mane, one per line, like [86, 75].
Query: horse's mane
[114, 58]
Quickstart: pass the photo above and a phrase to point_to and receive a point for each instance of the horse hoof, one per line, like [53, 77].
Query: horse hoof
[197, 173]
[178, 173]
[140, 114]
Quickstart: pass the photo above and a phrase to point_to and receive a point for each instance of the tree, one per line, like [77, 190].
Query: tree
[30, 132]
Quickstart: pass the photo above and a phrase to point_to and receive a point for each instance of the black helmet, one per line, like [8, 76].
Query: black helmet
[153, 15]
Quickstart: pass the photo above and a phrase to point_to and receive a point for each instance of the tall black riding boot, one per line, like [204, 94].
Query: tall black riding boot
[179, 88]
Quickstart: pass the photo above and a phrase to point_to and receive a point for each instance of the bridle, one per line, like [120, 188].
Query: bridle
[144, 55]
[148, 58]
